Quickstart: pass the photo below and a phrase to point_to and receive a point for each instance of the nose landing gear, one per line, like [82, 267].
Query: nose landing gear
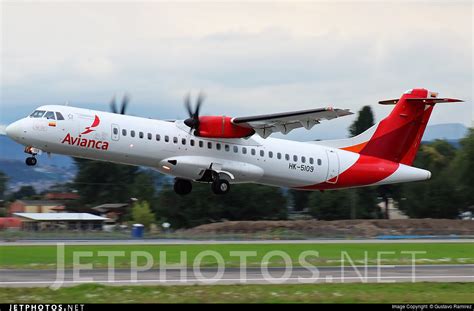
[31, 161]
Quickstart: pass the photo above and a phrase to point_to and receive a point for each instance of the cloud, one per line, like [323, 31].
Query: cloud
[248, 58]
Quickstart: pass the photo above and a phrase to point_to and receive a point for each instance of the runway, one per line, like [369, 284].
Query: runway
[203, 276]
[216, 242]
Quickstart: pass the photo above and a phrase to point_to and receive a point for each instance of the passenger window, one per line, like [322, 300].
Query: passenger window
[295, 158]
[201, 144]
[132, 133]
[287, 157]
[124, 132]
[262, 153]
[175, 140]
[319, 162]
[149, 136]
[209, 145]
[140, 134]
[218, 146]
[278, 156]
[59, 116]
[244, 150]
[236, 149]
[303, 159]
[50, 115]
[311, 161]
[191, 142]
[158, 137]
[270, 154]
[227, 148]
[183, 141]
[167, 138]
[37, 113]
[115, 130]
[252, 151]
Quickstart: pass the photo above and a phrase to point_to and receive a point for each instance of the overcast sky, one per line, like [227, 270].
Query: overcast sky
[248, 57]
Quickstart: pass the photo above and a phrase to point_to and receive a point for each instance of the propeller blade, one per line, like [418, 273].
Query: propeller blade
[125, 101]
[193, 121]
[199, 101]
[187, 104]
[113, 106]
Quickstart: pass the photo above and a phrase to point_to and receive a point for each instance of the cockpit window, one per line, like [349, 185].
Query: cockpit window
[37, 114]
[407, 92]
[59, 116]
[50, 115]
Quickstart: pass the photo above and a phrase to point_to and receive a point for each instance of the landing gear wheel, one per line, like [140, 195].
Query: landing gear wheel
[182, 186]
[31, 161]
[220, 186]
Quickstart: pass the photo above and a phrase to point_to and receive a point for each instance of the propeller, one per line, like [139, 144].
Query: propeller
[193, 121]
[123, 106]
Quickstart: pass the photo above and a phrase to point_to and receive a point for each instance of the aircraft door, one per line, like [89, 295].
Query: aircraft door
[333, 166]
[115, 132]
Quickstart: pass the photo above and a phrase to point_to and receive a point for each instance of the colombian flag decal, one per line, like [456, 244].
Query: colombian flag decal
[52, 124]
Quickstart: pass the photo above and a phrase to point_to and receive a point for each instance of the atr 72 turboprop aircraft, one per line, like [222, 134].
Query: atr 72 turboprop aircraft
[222, 150]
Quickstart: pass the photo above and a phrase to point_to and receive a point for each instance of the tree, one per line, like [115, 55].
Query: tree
[142, 214]
[364, 200]
[331, 205]
[461, 171]
[143, 187]
[364, 121]
[61, 187]
[299, 199]
[3, 184]
[436, 198]
[104, 182]
[25, 192]
[201, 206]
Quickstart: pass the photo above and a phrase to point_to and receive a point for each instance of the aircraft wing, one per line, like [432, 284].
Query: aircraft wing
[285, 122]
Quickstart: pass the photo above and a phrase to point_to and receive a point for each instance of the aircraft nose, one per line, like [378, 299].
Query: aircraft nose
[14, 130]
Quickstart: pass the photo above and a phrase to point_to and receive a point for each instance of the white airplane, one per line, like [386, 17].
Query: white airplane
[223, 150]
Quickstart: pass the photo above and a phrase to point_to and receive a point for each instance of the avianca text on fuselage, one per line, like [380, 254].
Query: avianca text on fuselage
[86, 142]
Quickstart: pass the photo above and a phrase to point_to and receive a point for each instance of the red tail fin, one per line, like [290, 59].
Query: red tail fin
[398, 136]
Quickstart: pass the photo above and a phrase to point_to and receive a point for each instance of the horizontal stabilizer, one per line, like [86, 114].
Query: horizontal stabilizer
[428, 101]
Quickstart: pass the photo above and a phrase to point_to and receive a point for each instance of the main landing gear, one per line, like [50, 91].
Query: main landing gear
[182, 186]
[218, 186]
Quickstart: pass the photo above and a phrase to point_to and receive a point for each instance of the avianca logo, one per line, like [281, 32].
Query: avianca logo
[94, 124]
[85, 142]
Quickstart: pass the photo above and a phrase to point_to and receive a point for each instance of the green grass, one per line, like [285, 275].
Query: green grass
[324, 293]
[329, 254]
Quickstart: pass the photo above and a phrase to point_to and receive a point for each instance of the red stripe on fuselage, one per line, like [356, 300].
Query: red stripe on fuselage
[365, 171]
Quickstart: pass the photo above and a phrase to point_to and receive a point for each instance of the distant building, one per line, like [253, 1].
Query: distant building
[10, 223]
[66, 221]
[63, 196]
[35, 206]
[113, 211]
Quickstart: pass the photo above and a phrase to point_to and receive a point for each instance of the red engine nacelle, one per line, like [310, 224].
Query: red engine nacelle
[221, 127]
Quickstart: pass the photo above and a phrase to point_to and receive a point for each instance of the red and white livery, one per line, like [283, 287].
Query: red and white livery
[223, 150]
